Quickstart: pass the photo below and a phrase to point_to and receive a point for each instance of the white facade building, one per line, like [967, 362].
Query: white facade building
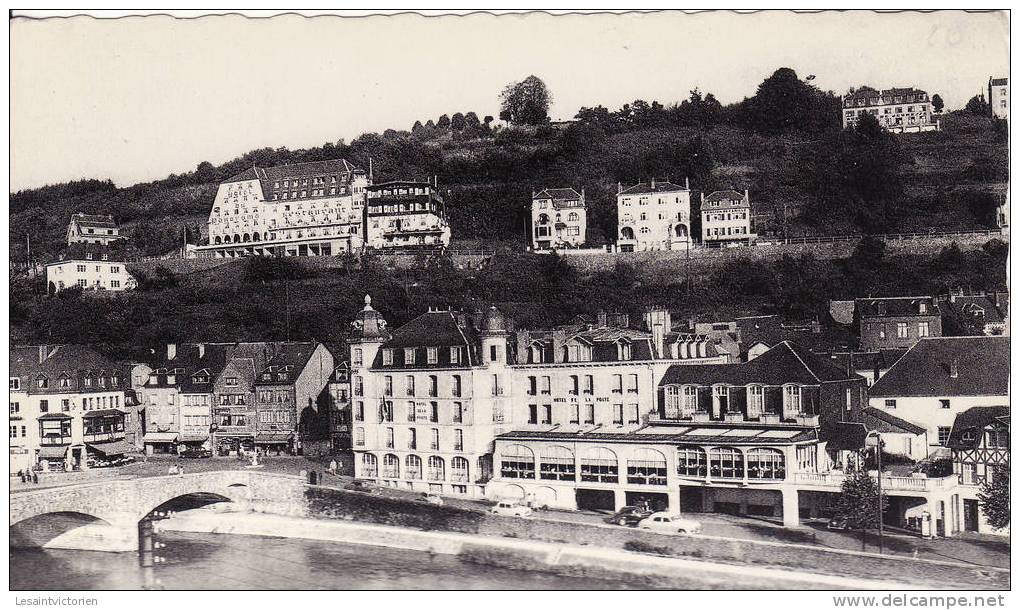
[558, 218]
[406, 214]
[998, 97]
[92, 229]
[653, 216]
[88, 274]
[941, 377]
[307, 209]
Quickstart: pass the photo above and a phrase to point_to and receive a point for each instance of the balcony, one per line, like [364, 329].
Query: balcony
[835, 479]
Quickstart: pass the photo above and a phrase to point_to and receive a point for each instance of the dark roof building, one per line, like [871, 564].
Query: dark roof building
[949, 366]
[655, 186]
[969, 426]
[896, 322]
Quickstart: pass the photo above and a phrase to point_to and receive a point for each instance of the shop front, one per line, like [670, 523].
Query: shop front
[193, 442]
[53, 458]
[160, 443]
[230, 445]
[275, 443]
[110, 453]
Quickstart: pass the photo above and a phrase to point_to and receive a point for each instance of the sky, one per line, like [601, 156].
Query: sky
[140, 98]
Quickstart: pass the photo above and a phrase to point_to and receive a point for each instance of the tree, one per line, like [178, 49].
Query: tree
[457, 122]
[785, 102]
[977, 105]
[526, 102]
[471, 119]
[858, 501]
[869, 252]
[418, 129]
[994, 497]
[443, 122]
[936, 103]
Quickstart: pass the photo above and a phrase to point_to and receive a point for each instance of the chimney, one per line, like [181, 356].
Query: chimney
[687, 183]
[954, 368]
[747, 196]
[559, 337]
[702, 198]
[43, 352]
[619, 188]
[582, 195]
[600, 319]
[201, 350]
[171, 351]
[816, 327]
[653, 184]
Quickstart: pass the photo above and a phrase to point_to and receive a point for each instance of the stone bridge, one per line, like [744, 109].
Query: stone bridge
[105, 515]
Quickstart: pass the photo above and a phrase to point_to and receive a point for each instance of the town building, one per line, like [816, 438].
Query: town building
[291, 408]
[980, 445]
[406, 214]
[941, 377]
[427, 399]
[340, 404]
[736, 438]
[306, 209]
[66, 407]
[558, 219]
[90, 268]
[234, 392]
[177, 397]
[896, 322]
[601, 373]
[998, 97]
[898, 110]
[92, 229]
[654, 215]
[758, 334]
[726, 218]
[987, 312]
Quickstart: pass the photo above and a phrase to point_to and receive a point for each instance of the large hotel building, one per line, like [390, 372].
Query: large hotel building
[320, 208]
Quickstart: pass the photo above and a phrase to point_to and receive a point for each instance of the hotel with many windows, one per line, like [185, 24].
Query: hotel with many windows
[899, 110]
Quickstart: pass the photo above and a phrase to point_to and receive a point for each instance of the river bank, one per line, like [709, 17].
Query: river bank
[509, 553]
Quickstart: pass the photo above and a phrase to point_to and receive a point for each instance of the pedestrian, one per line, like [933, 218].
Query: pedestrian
[332, 467]
[35, 478]
[21, 473]
[180, 470]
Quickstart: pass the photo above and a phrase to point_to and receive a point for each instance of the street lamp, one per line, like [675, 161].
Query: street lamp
[878, 478]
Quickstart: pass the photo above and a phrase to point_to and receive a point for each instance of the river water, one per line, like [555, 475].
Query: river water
[218, 561]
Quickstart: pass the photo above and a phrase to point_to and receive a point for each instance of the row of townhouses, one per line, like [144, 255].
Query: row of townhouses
[752, 416]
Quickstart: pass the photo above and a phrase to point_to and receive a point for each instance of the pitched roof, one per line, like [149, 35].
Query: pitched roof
[725, 195]
[555, 194]
[877, 419]
[94, 220]
[982, 365]
[296, 170]
[295, 354]
[975, 418]
[771, 330]
[248, 174]
[995, 82]
[56, 359]
[981, 305]
[653, 187]
[784, 363]
[896, 306]
[845, 436]
[439, 329]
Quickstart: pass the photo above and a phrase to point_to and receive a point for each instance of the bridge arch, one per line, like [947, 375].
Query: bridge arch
[41, 530]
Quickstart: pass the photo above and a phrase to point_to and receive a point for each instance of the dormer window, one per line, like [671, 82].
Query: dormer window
[283, 376]
[455, 355]
[65, 381]
[624, 350]
[231, 382]
[409, 355]
[432, 354]
[15, 383]
[171, 379]
[923, 308]
[791, 399]
[200, 379]
[42, 382]
[267, 376]
[387, 357]
[969, 436]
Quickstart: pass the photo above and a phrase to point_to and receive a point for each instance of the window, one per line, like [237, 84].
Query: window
[458, 440]
[412, 467]
[532, 414]
[493, 353]
[409, 355]
[589, 384]
[409, 384]
[359, 437]
[369, 466]
[944, 403]
[633, 414]
[575, 413]
[412, 440]
[437, 468]
[944, 434]
[599, 465]
[434, 440]
[359, 411]
[455, 355]
[546, 385]
[763, 463]
[632, 386]
[388, 385]
[922, 329]
[646, 467]
[455, 387]
[726, 463]
[691, 462]
[459, 472]
[433, 385]
[516, 462]
[547, 414]
[432, 355]
[15, 383]
[791, 399]
[755, 401]
[618, 414]
[589, 413]
[458, 413]
[42, 382]
[556, 463]
[389, 438]
[901, 330]
[387, 357]
[997, 437]
[625, 351]
[44, 406]
[617, 386]
[532, 385]
[359, 386]
[357, 356]
[890, 403]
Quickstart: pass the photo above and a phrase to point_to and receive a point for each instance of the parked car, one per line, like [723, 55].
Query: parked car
[670, 523]
[629, 515]
[838, 522]
[511, 509]
[196, 453]
[431, 499]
